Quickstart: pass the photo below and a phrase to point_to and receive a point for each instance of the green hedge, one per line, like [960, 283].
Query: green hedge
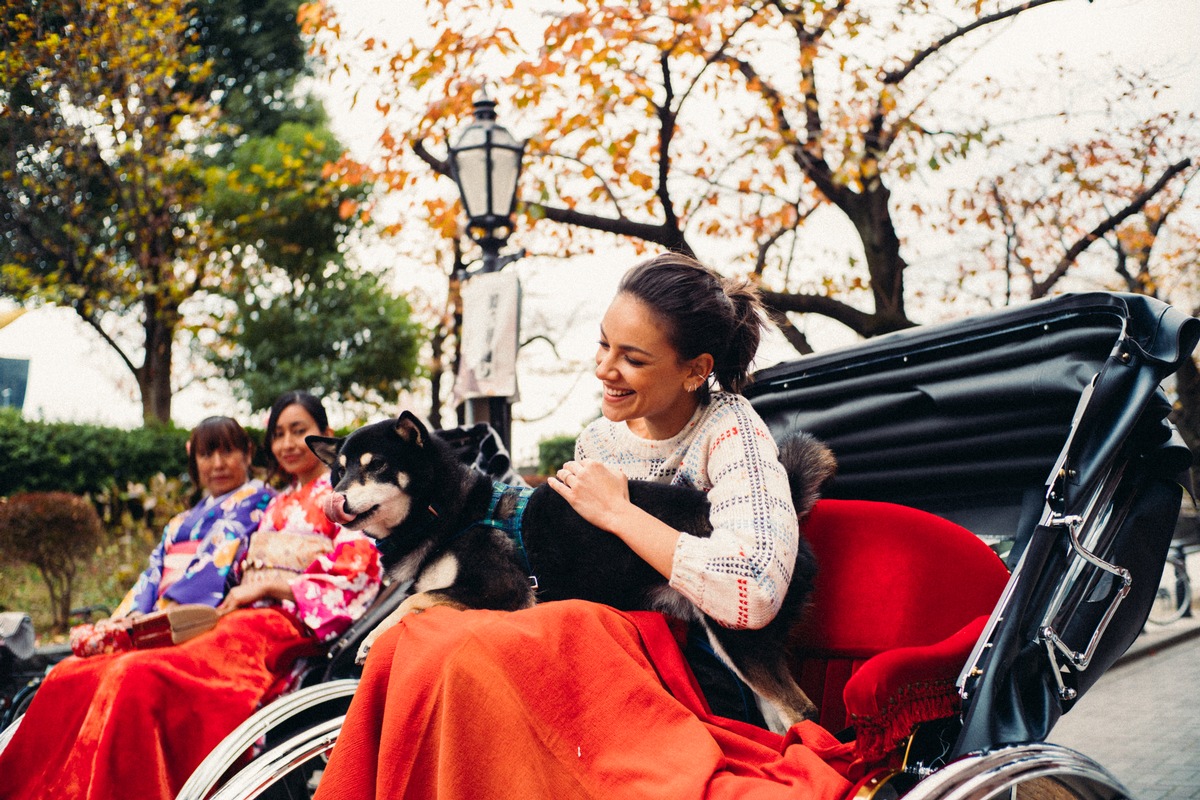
[83, 459]
[553, 452]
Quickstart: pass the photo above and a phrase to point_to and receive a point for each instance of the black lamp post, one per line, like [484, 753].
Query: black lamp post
[485, 162]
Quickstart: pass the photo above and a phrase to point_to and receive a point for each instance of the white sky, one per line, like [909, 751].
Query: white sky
[73, 375]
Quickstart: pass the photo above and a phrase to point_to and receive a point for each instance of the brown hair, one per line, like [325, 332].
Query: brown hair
[703, 312]
[216, 433]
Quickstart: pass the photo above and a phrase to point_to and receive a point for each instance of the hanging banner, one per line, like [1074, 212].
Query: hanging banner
[491, 311]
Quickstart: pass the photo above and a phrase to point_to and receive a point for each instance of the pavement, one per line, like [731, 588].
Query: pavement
[1141, 721]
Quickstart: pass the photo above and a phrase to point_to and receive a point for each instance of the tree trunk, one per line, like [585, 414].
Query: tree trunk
[58, 587]
[154, 376]
[871, 217]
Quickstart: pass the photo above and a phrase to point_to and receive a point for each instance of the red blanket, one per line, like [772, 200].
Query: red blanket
[136, 724]
[564, 700]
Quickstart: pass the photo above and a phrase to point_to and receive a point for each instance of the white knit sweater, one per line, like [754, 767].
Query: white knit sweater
[738, 575]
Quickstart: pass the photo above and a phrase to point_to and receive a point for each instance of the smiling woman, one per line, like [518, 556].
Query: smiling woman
[299, 558]
[675, 348]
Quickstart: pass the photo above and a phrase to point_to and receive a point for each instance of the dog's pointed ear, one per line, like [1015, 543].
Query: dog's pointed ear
[411, 429]
[325, 448]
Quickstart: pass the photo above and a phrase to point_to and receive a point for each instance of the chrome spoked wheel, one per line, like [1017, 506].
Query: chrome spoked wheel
[291, 771]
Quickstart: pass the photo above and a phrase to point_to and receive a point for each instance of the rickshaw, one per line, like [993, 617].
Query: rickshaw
[1008, 488]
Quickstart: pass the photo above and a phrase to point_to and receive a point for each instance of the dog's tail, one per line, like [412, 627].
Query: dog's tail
[809, 465]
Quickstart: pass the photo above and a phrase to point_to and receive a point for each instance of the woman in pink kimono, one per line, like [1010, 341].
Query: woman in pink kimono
[299, 560]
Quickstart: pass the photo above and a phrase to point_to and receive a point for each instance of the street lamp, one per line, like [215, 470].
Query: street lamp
[485, 162]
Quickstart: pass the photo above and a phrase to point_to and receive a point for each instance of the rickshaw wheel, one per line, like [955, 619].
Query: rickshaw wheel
[290, 770]
[1174, 596]
[1026, 772]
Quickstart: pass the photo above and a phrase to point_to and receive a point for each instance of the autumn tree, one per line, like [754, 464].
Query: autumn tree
[130, 136]
[1116, 210]
[727, 124]
[99, 171]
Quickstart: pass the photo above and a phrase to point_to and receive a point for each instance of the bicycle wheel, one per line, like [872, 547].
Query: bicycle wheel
[1174, 592]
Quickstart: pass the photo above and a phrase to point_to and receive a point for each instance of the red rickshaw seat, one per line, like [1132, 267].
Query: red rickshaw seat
[901, 596]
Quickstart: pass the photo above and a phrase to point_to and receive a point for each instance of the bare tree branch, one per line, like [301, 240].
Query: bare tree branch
[1040, 289]
[91, 320]
[666, 132]
[439, 165]
[810, 164]
[895, 76]
[663, 235]
[862, 323]
[795, 337]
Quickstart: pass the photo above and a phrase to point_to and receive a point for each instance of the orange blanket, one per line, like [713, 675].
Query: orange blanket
[564, 700]
[136, 724]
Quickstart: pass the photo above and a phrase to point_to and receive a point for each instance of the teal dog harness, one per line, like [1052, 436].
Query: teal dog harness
[506, 513]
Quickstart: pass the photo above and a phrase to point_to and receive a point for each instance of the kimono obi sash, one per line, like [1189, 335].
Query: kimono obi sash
[176, 559]
[282, 554]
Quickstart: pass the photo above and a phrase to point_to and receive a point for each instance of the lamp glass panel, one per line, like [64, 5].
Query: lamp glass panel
[473, 181]
[502, 138]
[505, 168]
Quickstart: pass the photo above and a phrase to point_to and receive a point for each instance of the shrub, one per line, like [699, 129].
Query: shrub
[83, 459]
[554, 452]
[135, 517]
[56, 532]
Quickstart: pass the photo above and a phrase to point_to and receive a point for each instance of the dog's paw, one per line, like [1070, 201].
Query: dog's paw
[364, 649]
[423, 601]
[373, 635]
[414, 604]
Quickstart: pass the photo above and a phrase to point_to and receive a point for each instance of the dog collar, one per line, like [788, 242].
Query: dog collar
[390, 549]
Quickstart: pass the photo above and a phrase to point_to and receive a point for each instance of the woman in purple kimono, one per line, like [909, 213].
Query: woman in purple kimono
[200, 546]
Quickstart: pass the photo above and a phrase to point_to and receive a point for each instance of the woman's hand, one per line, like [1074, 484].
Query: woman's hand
[596, 491]
[247, 594]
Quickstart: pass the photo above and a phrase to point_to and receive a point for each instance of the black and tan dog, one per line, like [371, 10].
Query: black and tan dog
[467, 541]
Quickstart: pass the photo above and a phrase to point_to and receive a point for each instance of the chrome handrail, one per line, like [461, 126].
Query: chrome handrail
[1082, 658]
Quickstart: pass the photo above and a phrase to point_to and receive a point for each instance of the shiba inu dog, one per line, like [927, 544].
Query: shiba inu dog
[467, 541]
